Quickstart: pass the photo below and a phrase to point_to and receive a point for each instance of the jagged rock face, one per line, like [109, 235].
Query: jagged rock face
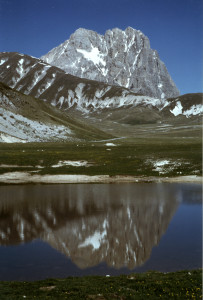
[119, 57]
[116, 224]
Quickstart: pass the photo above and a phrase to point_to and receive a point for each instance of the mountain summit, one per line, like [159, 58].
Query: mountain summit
[122, 58]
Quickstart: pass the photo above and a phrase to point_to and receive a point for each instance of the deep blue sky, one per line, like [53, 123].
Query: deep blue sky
[174, 27]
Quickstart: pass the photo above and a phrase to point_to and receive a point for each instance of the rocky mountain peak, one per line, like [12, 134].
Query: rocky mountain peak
[118, 57]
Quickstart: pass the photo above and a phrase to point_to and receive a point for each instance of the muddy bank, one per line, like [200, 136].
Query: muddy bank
[26, 177]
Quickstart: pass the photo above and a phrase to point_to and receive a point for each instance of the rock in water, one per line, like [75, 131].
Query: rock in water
[119, 57]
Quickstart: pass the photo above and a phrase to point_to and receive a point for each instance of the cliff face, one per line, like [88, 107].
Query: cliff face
[119, 57]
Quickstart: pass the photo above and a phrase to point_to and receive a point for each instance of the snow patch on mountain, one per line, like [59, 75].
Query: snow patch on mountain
[20, 68]
[47, 84]
[94, 55]
[39, 75]
[6, 138]
[16, 128]
[192, 111]
[2, 61]
[177, 109]
[99, 101]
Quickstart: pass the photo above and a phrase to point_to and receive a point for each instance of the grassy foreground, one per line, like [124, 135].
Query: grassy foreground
[150, 285]
[135, 157]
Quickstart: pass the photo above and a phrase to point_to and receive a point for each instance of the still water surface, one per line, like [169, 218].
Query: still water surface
[87, 229]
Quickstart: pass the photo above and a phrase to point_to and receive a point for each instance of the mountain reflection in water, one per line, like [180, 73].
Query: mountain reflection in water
[91, 223]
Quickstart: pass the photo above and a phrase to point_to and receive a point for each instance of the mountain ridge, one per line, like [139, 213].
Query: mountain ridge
[33, 77]
[24, 118]
[78, 104]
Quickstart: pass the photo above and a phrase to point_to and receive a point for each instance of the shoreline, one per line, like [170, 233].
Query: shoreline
[26, 177]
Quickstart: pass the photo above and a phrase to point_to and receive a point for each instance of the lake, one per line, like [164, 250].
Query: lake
[98, 229]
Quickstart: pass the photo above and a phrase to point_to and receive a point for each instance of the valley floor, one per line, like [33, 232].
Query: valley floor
[144, 158]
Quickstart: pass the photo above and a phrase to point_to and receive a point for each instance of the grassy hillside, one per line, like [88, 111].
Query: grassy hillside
[37, 110]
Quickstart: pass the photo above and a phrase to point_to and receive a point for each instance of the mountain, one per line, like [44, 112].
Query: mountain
[31, 76]
[34, 91]
[122, 58]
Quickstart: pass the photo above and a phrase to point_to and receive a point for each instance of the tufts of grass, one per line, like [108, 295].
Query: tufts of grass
[150, 285]
[129, 157]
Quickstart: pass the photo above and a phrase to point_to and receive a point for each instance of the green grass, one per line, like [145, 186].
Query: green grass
[129, 157]
[150, 285]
